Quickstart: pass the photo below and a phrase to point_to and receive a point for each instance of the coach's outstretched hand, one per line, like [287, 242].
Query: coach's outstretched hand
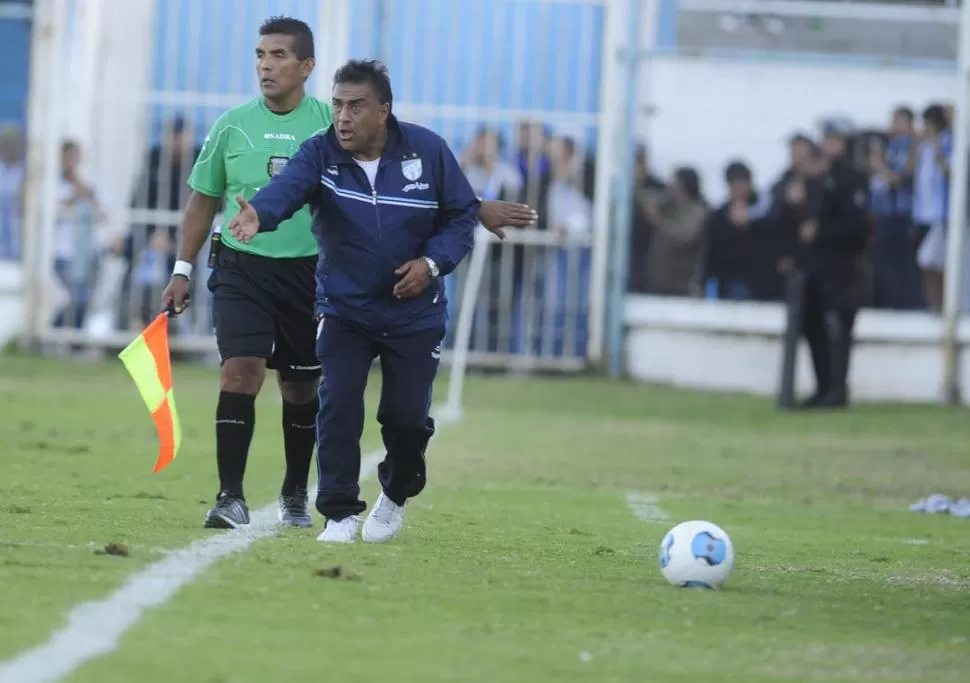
[415, 278]
[245, 224]
[496, 215]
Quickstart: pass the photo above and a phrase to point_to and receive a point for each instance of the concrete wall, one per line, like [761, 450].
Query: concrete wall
[736, 347]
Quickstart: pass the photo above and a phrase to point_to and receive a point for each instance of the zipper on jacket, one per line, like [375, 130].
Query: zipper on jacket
[377, 215]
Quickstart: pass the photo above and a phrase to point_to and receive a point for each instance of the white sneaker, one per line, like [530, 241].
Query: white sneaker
[384, 521]
[344, 531]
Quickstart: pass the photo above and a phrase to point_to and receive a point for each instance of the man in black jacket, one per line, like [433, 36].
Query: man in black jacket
[828, 222]
[739, 243]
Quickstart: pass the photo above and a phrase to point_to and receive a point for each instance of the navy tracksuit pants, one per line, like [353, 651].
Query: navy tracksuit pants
[409, 363]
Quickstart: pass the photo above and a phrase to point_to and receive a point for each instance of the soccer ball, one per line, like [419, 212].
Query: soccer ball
[696, 554]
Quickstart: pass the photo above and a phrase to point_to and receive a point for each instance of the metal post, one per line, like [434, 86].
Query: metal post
[614, 35]
[38, 105]
[623, 193]
[333, 18]
[957, 224]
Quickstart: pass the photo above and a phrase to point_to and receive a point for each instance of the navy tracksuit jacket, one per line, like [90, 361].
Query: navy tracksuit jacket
[421, 205]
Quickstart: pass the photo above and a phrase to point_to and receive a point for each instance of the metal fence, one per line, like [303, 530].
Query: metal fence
[126, 92]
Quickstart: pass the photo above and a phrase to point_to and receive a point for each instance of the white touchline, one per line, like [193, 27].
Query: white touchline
[646, 508]
[95, 628]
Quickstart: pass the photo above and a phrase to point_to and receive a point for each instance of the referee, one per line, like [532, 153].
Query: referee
[394, 215]
[263, 290]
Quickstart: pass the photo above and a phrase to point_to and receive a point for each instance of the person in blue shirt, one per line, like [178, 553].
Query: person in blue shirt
[931, 185]
[393, 215]
[896, 276]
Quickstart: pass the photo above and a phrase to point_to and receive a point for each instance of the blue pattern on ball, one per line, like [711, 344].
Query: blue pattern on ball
[696, 584]
[665, 547]
[708, 548]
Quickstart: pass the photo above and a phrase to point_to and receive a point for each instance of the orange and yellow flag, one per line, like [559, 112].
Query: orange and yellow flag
[147, 361]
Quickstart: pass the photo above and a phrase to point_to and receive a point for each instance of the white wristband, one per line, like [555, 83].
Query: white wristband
[183, 268]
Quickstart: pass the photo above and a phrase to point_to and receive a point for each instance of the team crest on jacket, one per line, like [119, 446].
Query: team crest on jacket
[276, 165]
[411, 168]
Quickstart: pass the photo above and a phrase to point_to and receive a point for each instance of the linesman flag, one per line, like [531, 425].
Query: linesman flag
[147, 361]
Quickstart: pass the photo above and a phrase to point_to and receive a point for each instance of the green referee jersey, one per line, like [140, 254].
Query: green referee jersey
[247, 146]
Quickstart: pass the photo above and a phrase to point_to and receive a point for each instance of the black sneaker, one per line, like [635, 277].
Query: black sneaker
[294, 510]
[229, 513]
[813, 401]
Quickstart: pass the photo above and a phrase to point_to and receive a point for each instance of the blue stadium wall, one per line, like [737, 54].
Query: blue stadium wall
[452, 54]
[458, 54]
[14, 69]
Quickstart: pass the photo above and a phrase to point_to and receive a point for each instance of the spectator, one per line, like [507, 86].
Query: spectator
[803, 154]
[791, 198]
[492, 178]
[75, 238]
[675, 246]
[896, 277]
[532, 159]
[149, 249]
[930, 190]
[12, 172]
[830, 232]
[646, 188]
[570, 215]
[488, 173]
[738, 261]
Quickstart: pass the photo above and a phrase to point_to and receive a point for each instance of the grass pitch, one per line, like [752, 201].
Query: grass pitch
[523, 560]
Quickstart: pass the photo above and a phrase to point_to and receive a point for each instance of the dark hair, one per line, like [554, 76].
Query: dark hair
[296, 29]
[906, 112]
[936, 115]
[70, 146]
[737, 170]
[688, 179]
[358, 71]
[485, 129]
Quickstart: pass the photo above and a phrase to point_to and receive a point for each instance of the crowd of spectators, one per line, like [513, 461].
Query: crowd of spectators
[683, 246]
[535, 296]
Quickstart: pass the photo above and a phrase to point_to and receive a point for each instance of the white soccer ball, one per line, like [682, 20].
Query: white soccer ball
[696, 554]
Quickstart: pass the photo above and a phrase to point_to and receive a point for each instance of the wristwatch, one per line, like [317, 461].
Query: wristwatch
[432, 266]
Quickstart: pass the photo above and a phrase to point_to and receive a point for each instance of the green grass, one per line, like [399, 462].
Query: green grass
[522, 561]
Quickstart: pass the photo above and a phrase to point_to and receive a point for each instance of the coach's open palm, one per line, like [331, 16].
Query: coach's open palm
[245, 224]
[496, 215]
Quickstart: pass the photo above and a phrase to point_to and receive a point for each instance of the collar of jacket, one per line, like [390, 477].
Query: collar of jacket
[397, 145]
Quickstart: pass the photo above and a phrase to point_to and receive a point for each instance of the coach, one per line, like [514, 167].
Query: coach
[393, 214]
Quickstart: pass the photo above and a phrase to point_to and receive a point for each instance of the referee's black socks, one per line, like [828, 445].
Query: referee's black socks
[299, 439]
[235, 420]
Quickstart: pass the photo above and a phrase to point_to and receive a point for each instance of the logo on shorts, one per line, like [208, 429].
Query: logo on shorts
[412, 169]
[436, 353]
[276, 165]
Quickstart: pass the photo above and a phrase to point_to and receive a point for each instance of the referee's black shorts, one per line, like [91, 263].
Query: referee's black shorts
[263, 308]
